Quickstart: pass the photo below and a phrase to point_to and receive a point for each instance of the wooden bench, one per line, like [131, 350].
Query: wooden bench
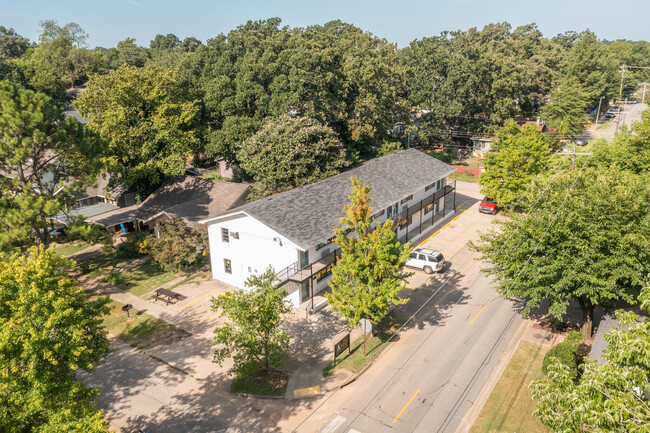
[168, 295]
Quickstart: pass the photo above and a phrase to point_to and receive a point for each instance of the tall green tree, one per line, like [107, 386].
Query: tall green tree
[567, 108]
[590, 64]
[60, 58]
[475, 79]
[335, 74]
[289, 152]
[594, 250]
[516, 158]
[45, 161]
[151, 127]
[252, 335]
[369, 275]
[608, 397]
[629, 150]
[49, 330]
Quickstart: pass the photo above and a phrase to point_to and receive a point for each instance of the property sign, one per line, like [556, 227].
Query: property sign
[340, 347]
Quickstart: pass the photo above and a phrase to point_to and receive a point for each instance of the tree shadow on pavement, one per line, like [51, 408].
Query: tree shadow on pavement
[206, 409]
[432, 302]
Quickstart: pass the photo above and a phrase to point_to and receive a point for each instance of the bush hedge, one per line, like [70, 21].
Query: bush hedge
[565, 353]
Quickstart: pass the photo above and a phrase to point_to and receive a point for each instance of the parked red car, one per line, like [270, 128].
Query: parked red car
[488, 206]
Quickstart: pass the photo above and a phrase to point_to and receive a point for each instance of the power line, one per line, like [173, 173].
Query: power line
[378, 349]
[527, 261]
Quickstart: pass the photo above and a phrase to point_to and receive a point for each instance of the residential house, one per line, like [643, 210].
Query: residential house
[293, 231]
[191, 199]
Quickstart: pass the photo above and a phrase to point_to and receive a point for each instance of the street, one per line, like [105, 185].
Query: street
[628, 115]
[431, 377]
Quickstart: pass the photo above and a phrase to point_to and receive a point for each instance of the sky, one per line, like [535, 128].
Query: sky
[109, 21]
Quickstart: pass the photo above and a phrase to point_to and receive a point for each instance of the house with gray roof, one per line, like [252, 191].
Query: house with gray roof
[293, 231]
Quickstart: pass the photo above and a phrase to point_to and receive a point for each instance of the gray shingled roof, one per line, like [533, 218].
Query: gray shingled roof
[307, 215]
[605, 326]
[192, 198]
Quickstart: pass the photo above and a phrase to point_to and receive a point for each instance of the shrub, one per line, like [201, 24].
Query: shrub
[565, 353]
[115, 279]
[178, 248]
[77, 229]
[127, 250]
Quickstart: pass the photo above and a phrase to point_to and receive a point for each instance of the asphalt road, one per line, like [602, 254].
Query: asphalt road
[428, 380]
[628, 115]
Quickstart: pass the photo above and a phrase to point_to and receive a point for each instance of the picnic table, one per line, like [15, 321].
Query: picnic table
[167, 295]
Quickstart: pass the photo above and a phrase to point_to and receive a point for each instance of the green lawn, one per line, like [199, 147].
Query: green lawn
[145, 277]
[141, 330]
[463, 177]
[355, 359]
[260, 383]
[102, 264]
[510, 406]
[71, 248]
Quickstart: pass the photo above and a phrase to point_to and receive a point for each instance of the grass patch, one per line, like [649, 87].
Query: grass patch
[187, 280]
[275, 383]
[141, 330]
[463, 177]
[510, 406]
[144, 277]
[374, 345]
[102, 263]
[71, 248]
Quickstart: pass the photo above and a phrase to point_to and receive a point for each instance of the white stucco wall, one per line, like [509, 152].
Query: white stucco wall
[252, 253]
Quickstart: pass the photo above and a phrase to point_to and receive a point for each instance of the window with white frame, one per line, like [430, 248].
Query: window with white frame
[225, 236]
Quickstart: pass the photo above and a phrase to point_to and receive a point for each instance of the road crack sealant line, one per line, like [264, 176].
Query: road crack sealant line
[434, 328]
[474, 378]
[386, 342]
[408, 320]
[472, 381]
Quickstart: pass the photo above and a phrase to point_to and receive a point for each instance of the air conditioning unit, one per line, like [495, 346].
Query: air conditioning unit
[324, 252]
[234, 235]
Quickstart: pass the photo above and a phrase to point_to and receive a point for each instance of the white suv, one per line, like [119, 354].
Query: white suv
[429, 261]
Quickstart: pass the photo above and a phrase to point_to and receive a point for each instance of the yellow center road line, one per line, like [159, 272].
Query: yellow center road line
[480, 311]
[404, 408]
[197, 299]
[456, 217]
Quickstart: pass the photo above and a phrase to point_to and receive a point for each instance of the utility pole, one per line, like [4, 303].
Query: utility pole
[573, 155]
[598, 112]
[643, 94]
[620, 93]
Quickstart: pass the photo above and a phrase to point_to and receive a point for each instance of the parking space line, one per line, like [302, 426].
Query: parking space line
[215, 314]
[197, 299]
[407, 405]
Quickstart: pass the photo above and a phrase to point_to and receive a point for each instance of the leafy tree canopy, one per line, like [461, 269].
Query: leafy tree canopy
[516, 158]
[594, 250]
[150, 126]
[252, 335]
[567, 108]
[335, 74]
[369, 275]
[176, 247]
[629, 150]
[291, 152]
[45, 161]
[48, 331]
[608, 397]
